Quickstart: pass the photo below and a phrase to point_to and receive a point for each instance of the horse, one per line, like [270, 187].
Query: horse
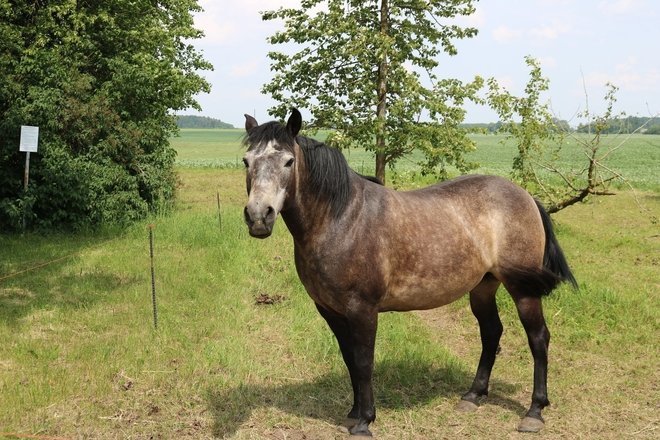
[361, 248]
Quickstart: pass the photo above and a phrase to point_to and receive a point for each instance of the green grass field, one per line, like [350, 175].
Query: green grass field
[636, 157]
[80, 358]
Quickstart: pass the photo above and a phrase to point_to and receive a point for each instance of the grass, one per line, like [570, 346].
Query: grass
[638, 159]
[80, 357]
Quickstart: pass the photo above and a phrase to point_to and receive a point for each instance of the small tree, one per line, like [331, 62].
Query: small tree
[358, 72]
[540, 141]
[595, 176]
[526, 120]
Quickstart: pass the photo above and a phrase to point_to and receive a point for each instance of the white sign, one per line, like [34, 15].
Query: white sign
[29, 138]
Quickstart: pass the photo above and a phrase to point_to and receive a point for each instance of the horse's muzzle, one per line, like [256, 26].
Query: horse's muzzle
[260, 225]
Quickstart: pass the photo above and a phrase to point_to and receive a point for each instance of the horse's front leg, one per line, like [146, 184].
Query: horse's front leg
[362, 322]
[339, 326]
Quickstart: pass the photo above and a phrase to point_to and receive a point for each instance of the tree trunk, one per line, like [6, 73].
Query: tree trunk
[381, 108]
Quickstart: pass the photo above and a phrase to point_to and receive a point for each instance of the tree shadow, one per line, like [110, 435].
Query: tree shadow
[41, 275]
[397, 385]
[71, 291]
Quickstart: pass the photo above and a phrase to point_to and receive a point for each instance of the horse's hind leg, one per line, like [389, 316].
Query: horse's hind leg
[484, 308]
[530, 311]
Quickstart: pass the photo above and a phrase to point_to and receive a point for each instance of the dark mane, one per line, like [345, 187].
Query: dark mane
[329, 174]
[272, 130]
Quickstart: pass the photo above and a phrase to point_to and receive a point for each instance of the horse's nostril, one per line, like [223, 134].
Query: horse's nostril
[246, 215]
[270, 212]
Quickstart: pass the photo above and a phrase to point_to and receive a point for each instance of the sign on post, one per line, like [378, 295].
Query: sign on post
[29, 143]
[29, 139]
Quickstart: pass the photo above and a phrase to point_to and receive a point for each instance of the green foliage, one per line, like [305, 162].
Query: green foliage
[359, 70]
[192, 121]
[100, 79]
[525, 119]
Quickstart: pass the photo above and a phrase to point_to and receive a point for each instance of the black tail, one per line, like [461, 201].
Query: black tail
[554, 260]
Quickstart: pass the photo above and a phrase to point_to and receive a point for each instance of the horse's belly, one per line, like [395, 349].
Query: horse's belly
[420, 293]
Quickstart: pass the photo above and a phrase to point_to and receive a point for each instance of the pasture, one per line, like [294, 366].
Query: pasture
[240, 351]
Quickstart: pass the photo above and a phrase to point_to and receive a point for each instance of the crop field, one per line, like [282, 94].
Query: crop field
[636, 157]
[240, 352]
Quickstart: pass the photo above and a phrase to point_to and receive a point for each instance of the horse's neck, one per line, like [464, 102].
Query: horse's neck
[306, 218]
[310, 218]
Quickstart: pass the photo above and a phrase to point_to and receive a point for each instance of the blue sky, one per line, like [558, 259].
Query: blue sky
[581, 44]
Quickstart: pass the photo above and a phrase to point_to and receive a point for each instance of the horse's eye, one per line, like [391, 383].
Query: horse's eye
[247, 165]
[289, 163]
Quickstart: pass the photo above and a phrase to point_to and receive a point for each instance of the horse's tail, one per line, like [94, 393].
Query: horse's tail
[554, 260]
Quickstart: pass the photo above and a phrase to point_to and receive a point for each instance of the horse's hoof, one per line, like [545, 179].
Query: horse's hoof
[349, 422]
[530, 424]
[466, 406]
[361, 432]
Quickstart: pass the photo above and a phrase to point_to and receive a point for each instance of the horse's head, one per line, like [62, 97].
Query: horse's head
[269, 164]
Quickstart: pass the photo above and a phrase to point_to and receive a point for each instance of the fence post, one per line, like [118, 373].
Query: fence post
[219, 212]
[153, 275]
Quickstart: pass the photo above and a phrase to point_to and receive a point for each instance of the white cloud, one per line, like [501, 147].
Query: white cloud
[628, 76]
[505, 34]
[615, 7]
[224, 22]
[216, 31]
[548, 32]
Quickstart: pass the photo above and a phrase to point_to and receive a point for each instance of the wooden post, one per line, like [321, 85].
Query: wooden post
[26, 176]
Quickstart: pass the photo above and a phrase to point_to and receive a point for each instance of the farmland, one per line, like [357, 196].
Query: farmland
[637, 157]
[240, 351]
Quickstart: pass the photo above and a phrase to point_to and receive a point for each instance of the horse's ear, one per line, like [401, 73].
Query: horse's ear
[250, 122]
[294, 123]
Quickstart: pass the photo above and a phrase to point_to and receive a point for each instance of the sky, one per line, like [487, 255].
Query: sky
[581, 45]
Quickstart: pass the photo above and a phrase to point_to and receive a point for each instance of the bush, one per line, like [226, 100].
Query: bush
[101, 80]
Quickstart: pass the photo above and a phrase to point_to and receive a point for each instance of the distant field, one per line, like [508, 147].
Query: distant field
[638, 159]
[209, 147]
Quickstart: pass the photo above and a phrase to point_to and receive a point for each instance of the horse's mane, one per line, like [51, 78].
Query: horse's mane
[329, 173]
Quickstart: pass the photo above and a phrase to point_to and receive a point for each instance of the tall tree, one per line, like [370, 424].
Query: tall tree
[101, 80]
[359, 70]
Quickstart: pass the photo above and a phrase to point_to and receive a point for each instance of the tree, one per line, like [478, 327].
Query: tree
[359, 72]
[101, 80]
[594, 177]
[526, 120]
[537, 164]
